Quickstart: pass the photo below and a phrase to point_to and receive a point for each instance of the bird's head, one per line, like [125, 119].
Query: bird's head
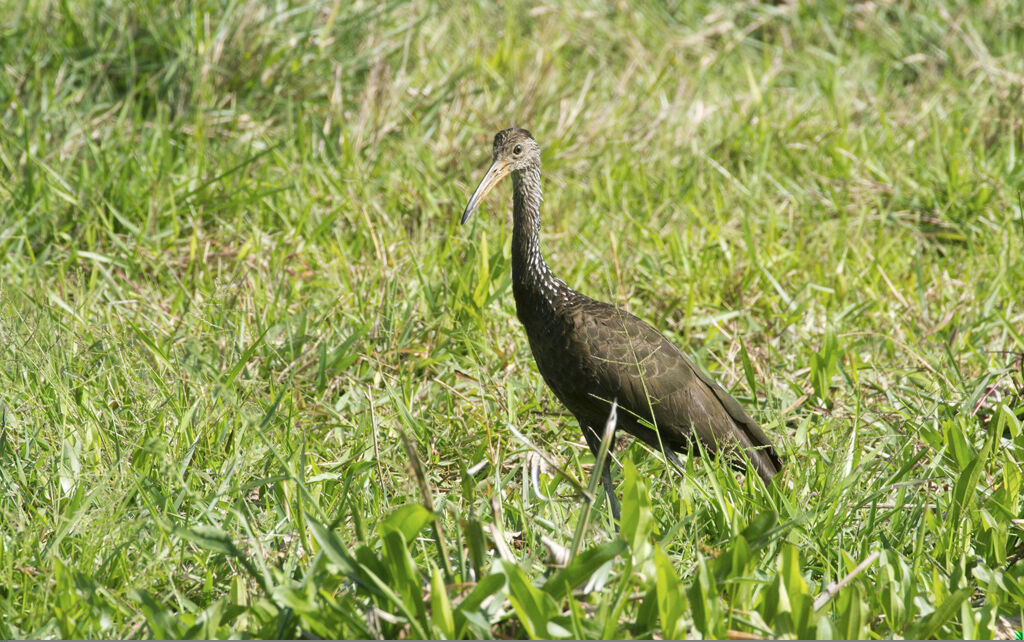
[514, 150]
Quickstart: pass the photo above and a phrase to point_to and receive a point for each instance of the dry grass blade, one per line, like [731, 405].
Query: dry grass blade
[835, 587]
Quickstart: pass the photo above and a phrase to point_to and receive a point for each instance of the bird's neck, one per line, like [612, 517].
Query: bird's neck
[533, 283]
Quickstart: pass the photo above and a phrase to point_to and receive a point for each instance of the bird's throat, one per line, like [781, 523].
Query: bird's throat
[526, 198]
[529, 270]
[536, 289]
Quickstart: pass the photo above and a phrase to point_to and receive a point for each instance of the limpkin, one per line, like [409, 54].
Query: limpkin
[591, 353]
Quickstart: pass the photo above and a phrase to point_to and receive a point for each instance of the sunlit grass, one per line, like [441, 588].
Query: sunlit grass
[232, 277]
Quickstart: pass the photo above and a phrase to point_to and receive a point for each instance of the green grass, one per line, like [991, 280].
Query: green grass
[232, 278]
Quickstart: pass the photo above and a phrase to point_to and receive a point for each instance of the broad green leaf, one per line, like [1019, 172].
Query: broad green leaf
[705, 602]
[581, 568]
[733, 562]
[759, 528]
[332, 545]
[930, 626]
[956, 442]
[441, 606]
[672, 604]
[396, 556]
[647, 615]
[967, 484]
[468, 614]
[405, 578]
[800, 601]
[534, 607]
[852, 613]
[476, 542]
[209, 537]
[637, 525]
[486, 587]
[408, 520]
[748, 369]
[365, 572]
[162, 623]
[824, 364]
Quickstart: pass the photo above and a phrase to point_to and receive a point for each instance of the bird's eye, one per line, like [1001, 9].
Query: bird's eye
[518, 150]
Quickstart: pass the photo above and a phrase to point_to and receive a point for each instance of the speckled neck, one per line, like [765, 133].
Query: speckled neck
[536, 289]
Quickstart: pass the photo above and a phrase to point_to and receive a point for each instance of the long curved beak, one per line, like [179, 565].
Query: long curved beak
[497, 171]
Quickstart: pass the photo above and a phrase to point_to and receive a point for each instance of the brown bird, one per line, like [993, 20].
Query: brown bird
[591, 353]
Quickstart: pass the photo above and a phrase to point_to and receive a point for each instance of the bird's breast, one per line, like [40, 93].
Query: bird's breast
[562, 357]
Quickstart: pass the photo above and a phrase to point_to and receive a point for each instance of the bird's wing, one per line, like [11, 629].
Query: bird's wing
[752, 429]
[653, 379]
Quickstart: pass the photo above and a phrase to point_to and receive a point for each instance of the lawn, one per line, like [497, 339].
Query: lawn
[257, 381]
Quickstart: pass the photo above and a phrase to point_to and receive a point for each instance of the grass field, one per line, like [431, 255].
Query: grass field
[244, 341]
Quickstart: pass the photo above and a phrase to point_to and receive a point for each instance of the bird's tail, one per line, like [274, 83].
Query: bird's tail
[766, 461]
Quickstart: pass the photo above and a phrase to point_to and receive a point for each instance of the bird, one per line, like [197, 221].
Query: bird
[591, 353]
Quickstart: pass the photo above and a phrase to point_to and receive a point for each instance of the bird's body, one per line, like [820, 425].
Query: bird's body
[591, 353]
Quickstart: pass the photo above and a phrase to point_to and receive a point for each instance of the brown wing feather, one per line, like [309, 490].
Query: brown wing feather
[620, 356]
